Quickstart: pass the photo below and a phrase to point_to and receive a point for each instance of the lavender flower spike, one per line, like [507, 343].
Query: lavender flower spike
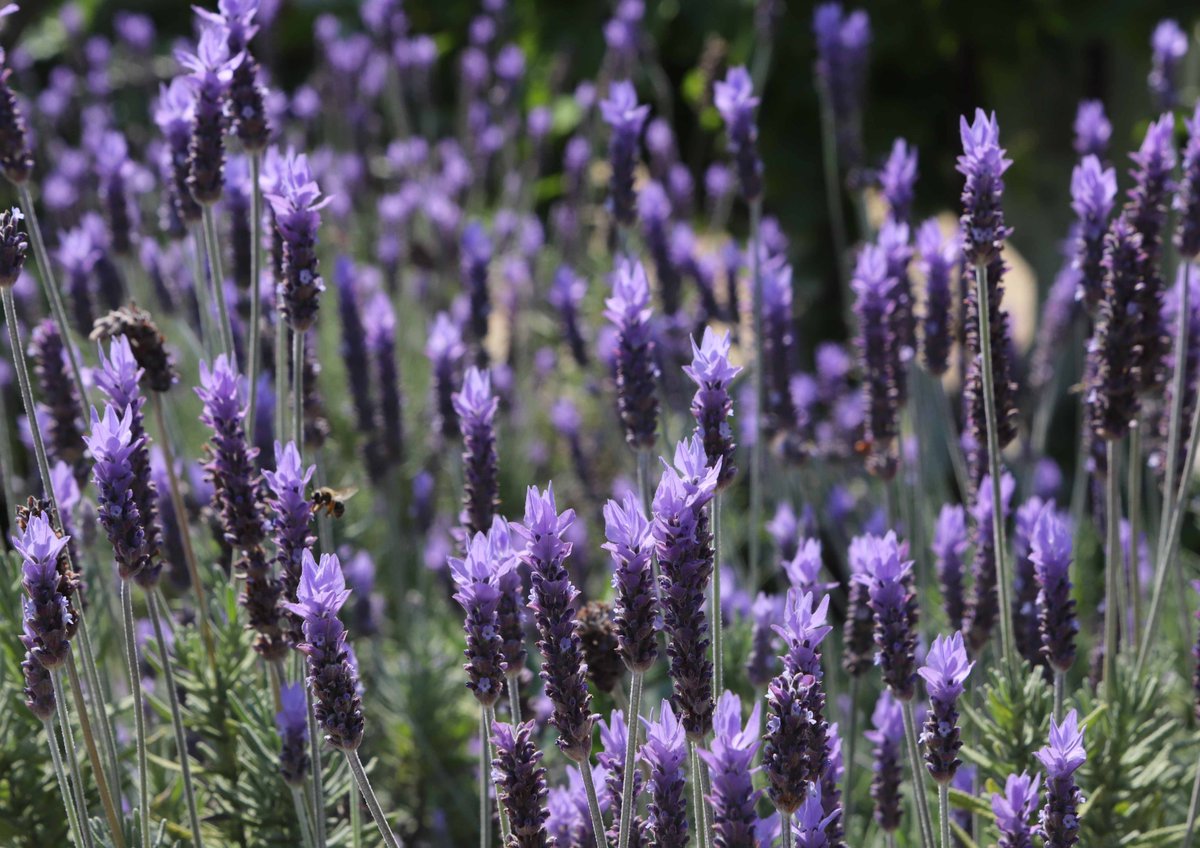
[711, 405]
[292, 724]
[683, 540]
[982, 163]
[297, 202]
[445, 351]
[626, 119]
[635, 606]
[211, 68]
[1092, 129]
[16, 154]
[476, 407]
[1013, 809]
[1187, 198]
[637, 374]
[794, 753]
[553, 600]
[887, 576]
[111, 444]
[291, 525]
[48, 619]
[476, 578]
[332, 678]
[946, 668]
[842, 42]
[949, 546]
[1168, 46]
[1050, 552]
[812, 824]
[888, 738]
[729, 758]
[1093, 189]
[897, 178]
[521, 784]
[1059, 825]
[735, 100]
[879, 354]
[664, 752]
[938, 262]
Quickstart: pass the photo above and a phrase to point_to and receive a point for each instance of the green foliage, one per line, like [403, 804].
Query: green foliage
[1007, 723]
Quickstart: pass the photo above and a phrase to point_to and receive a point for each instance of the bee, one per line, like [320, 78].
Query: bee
[332, 501]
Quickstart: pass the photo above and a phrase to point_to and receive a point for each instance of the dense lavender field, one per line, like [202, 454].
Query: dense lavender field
[319, 378]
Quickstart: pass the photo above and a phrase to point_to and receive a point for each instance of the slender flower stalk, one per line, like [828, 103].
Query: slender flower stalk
[983, 164]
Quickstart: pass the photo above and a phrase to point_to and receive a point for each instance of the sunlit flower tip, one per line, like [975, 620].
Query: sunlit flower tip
[1014, 807]
[897, 178]
[1065, 753]
[1092, 129]
[804, 567]
[804, 628]
[946, 668]
[322, 590]
[710, 360]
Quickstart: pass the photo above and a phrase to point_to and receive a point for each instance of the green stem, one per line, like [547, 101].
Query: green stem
[356, 833]
[364, 786]
[953, 444]
[1060, 686]
[281, 377]
[252, 344]
[489, 718]
[589, 786]
[7, 467]
[1132, 589]
[1112, 571]
[298, 389]
[318, 785]
[944, 813]
[485, 767]
[189, 794]
[302, 817]
[851, 742]
[200, 287]
[513, 682]
[785, 828]
[757, 469]
[213, 248]
[102, 780]
[1003, 577]
[139, 711]
[718, 621]
[50, 287]
[833, 203]
[1192, 808]
[64, 720]
[631, 720]
[918, 775]
[97, 698]
[185, 534]
[64, 786]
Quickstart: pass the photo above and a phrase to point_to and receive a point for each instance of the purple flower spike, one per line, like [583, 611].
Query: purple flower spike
[897, 178]
[1187, 199]
[246, 108]
[711, 405]
[476, 407]
[112, 446]
[60, 404]
[729, 758]
[626, 119]
[888, 575]
[635, 608]
[1168, 46]
[880, 357]
[887, 737]
[291, 524]
[292, 724]
[779, 346]
[938, 262]
[614, 736]
[297, 202]
[810, 828]
[804, 628]
[683, 540]
[521, 783]
[945, 670]
[1014, 808]
[331, 676]
[664, 752]
[735, 100]
[445, 351]
[553, 599]
[949, 546]
[211, 68]
[48, 618]
[762, 664]
[477, 578]
[794, 749]
[174, 111]
[804, 568]
[637, 374]
[566, 295]
[1112, 378]
[858, 632]
[476, 255]
[1092, 129]
[841, 71]
[1050, 550]
[1059, 825]
[1093, 190]
[16, 154]
[983, 604]
[982, 163]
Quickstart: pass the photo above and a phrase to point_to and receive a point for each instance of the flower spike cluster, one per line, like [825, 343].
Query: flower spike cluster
[729, 758]
[888, 576]
[1059, 824]
[211, 70]
[1050, 551]
[48, 619]
[711, 405]
[297, 202]
[631, 544]
[521, 784]
[476, 406]
[1013, 809]
[945, 670]
[476, 577]
[637, 373]
[735, 100]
